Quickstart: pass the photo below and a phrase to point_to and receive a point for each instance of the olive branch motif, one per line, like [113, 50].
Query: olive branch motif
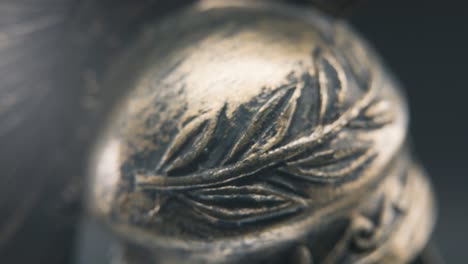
[250, 180]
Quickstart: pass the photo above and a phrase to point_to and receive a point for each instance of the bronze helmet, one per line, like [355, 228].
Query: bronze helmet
[262, 133]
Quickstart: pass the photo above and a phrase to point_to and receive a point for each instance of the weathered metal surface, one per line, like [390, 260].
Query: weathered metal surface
[258, 132]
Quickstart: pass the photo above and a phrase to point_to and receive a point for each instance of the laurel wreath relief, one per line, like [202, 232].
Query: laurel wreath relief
[250, 180]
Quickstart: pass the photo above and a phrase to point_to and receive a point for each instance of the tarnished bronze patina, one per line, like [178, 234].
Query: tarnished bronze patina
[258, 133]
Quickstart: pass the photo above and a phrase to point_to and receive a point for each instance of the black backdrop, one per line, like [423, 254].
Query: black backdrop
[425, 43]
[47, 119]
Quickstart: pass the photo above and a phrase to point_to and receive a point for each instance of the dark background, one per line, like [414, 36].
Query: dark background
[425, 43]
[51, 49]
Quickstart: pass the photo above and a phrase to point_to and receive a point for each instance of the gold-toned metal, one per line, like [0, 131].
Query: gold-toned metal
[262, 133]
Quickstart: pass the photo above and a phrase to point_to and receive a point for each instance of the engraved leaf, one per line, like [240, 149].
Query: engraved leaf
[242, 204]
[330, 164]
[269, 125]
[257, 172]
[332, 86]
[376, 115]
[189, 143]
[259, 146]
